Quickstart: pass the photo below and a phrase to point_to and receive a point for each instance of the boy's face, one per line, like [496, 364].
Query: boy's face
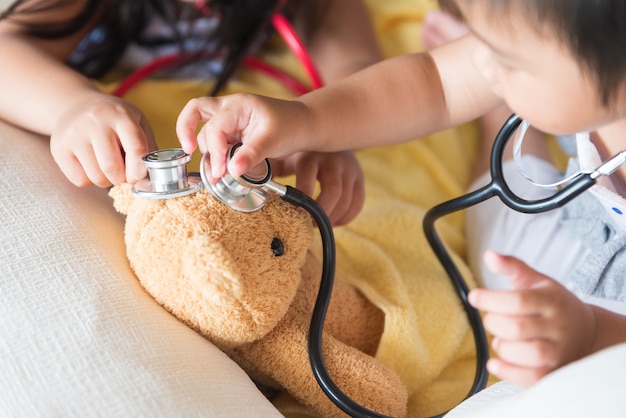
[536, 75]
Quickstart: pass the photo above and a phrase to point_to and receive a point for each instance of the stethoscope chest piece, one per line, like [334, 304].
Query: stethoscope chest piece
[168, 178]
[246, 193]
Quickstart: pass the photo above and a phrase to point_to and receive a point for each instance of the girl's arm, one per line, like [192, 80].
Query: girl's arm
[34, 79]
[341, 41]
[344, 41]
[95, 138]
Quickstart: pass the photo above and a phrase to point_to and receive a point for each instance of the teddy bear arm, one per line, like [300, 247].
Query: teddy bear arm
[283, 358]
[353, 319]
[122, 197]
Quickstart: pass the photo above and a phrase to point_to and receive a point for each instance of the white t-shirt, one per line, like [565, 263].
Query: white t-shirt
[604, 190]
[545, 241]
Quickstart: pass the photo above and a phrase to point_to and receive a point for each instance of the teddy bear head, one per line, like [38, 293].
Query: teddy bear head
[236, 273]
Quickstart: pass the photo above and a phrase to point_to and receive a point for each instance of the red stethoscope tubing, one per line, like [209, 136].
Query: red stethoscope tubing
[278, 74]
[294, 42]
[144, 71]
[284, 29]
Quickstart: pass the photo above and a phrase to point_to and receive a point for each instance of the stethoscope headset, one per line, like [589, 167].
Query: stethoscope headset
[168, 178]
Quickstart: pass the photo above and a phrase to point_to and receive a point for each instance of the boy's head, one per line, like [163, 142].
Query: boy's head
[591, 35]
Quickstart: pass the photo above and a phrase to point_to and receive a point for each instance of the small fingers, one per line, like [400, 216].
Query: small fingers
[307, 171]
[254, 121]
[354, 186]
[517, 327]
[357, 192]
[530, 353]
[100, 161]
[222, 128]
[514, 270]
[78, 164]
[100, 140]
[343, 200]
[90, 168]
[104, 164]
[73, 170]
[524, 376]
[342, 190]
[504, 302]
[197, 110]
[210, 140]
[136, 141]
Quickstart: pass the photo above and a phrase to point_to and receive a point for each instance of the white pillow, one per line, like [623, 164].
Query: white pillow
[592, 387]
[79, 336]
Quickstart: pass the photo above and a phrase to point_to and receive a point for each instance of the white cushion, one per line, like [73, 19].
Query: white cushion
[592, 387]
[79, 336]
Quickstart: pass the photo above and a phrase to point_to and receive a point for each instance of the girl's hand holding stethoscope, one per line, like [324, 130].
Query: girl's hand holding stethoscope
[99, 139]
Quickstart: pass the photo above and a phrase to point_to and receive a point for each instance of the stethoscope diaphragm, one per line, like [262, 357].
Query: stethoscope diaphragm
[245, 193]
[167, 175]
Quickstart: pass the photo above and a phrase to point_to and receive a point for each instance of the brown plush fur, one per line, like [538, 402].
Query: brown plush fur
[214, 269]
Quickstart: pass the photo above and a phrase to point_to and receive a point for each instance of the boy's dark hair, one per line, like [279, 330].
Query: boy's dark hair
[594, 31]
[242, 22]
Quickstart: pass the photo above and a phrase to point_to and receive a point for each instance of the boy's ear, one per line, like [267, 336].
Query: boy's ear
[122, 197]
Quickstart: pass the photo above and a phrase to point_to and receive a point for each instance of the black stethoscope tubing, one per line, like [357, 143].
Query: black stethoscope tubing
[496, 187]
[316, 358]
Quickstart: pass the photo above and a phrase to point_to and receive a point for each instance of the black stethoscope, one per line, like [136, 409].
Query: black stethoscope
[168, 178]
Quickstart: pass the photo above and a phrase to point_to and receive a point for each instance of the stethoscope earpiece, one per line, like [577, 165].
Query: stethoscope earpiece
[167, 176]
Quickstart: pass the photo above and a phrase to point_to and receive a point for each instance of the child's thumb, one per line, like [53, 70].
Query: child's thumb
[518, 273]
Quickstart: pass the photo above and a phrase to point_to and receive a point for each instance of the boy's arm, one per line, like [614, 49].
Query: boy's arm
[468, 94]
[393, 101]
[400, 99]
[610, 329]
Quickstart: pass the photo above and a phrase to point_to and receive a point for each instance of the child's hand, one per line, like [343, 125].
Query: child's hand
[269, 128]
[538, 326]
[100, 140]
[266, 127]
[342, 189]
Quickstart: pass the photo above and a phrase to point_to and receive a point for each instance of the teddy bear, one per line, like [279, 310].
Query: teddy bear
[248, 283]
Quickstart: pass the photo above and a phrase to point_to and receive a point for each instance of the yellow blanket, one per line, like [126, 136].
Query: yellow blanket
[427, 339]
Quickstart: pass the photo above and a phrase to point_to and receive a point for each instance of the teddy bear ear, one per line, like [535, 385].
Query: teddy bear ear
[122, 197]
